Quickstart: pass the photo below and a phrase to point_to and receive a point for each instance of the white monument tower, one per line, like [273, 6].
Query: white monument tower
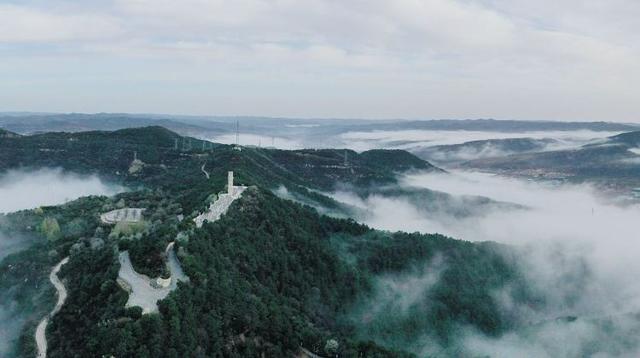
[230, 183]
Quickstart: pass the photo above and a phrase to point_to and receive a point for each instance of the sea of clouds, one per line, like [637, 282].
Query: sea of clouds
[577, 247]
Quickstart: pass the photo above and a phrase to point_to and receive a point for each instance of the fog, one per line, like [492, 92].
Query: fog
[29, 189]
[578, 248]
[407, 139]
[25, 190]
[361, 141]
[260, 141]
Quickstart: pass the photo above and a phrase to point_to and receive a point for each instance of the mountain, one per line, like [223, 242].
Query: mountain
[492, 125]
[271, 277]
[77, 122]
[614, 158]
[7, 134]
[292, 132]
[480, 149]
[168, 158]
[433, 203]
[630, 139]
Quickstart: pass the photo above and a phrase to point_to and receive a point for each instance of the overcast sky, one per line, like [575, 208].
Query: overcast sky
[506, 59]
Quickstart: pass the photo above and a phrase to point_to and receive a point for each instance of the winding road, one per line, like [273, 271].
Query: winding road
[41, 339]
[206, 173]
[141, 291]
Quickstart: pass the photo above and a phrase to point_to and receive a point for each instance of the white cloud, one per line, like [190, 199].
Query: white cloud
[20, 24]
[361, 141]
[577, 250]
[29, 189]
[259, 140]
[381, 58]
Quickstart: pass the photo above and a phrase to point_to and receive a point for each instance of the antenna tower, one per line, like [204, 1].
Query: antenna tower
[237, 133]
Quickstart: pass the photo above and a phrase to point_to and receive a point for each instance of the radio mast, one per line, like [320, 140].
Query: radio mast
[237, 133]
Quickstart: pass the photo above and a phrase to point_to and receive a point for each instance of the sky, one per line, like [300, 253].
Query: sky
[420, 59]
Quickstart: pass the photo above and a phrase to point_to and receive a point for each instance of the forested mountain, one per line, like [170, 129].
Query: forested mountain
[615, 159]
[78, 122]
[7, 134]
[270, 278]
[629, 139]
[453, 153]
[30, 123]
[177, 163]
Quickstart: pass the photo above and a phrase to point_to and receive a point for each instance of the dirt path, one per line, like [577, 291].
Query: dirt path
[41, 339]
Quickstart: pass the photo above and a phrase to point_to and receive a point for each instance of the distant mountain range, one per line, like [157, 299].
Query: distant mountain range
[616, 157]
[27, 123]
[490, 148]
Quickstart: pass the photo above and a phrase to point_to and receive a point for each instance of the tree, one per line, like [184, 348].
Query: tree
[50, 229]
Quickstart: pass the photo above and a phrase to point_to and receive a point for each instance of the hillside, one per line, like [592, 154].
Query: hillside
[7, 134]
[493, 125]
[271, 277]
[631, 139]
[78, 122]
[480, 149]
[615, 158]
[176, 163]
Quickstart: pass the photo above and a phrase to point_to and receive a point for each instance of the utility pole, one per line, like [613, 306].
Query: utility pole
[237, 133]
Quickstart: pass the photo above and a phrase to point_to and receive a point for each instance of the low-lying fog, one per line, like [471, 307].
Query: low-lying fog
[29, 189]
[258, 140]
[25, 190]
[402, 139]
[21, 189]
[566, 234]
[406, 139]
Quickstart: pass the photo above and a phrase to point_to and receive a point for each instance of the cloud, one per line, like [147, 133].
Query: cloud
[19, 24]
[21, 190]
[574, 247]
[381, 59]
[29, 189]
[408, 139]
[259, 140]
[10, 327]
[25, 190]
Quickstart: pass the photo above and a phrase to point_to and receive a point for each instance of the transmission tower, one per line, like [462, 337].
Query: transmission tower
[237, 133]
